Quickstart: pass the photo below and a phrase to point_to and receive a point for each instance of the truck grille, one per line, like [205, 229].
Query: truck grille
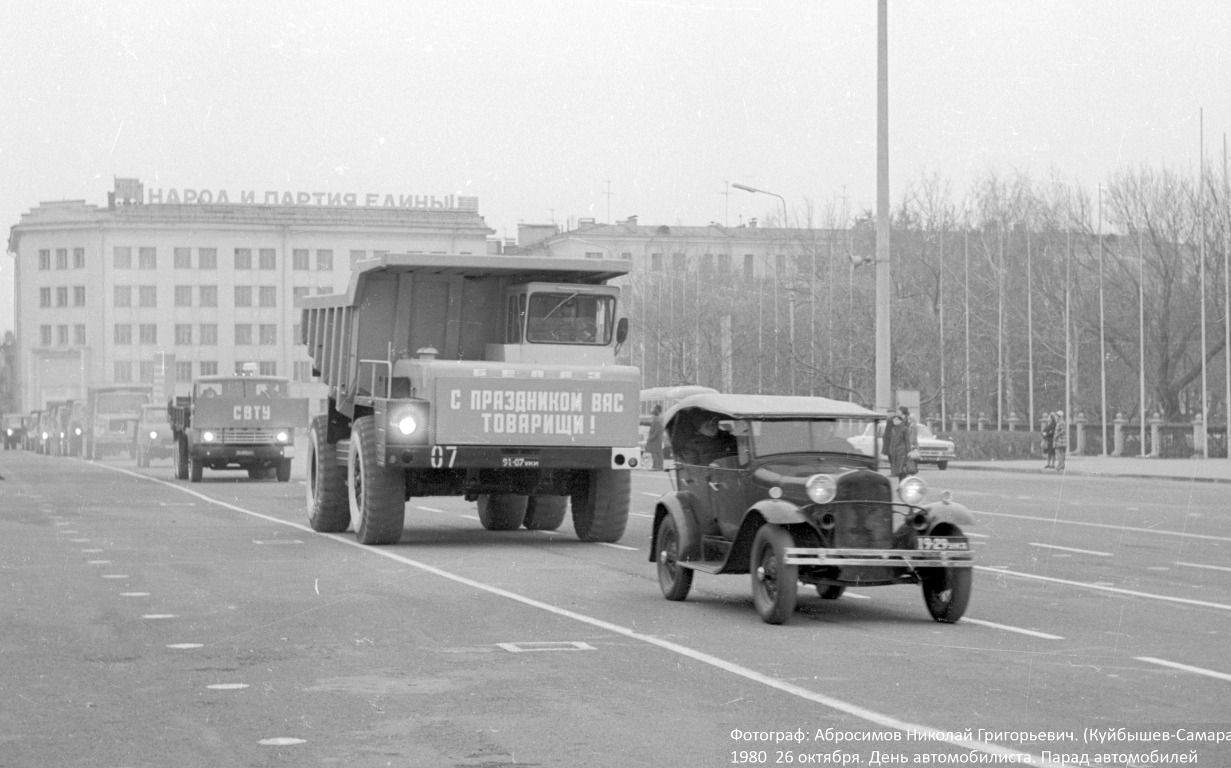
[247, 436]
[866, 520]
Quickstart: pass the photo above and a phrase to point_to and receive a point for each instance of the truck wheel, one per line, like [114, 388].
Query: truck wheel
[377, 495]
[283, 470]
[600, 511]
[775, 585]
[328, 509]
[181, 459]
[196, 468]
[143, 458]
[545, 513]
[502, 511]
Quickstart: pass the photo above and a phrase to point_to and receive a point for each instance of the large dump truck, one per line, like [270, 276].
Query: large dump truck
[488, 377]
[111, 418]
[243, 421]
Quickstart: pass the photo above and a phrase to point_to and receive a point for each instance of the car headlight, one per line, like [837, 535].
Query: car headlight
[77, 431]
[45, 435]
[912, 489]
[207, 436]
[822, 488]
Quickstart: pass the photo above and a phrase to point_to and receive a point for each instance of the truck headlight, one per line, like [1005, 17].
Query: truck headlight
[912, 489]
[283, 436]
[408, 423]
[207, 436]
[154, 435]
[822, 489]
[77, 431]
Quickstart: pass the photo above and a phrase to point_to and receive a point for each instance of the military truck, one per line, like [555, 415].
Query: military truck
[154, 439]
[244, 421]
[488, 377]
[111, 418]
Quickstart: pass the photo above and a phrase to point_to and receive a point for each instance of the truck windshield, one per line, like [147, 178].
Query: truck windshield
[570, 318]
[242, 387]
[121, 402]
[156, 415]
[814, 435]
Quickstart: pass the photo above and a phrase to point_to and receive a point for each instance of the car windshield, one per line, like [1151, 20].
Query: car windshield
[805, 436]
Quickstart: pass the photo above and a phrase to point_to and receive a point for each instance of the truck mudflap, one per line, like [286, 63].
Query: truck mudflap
[510, 457]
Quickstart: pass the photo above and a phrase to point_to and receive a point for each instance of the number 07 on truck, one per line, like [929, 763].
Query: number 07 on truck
[488, 377]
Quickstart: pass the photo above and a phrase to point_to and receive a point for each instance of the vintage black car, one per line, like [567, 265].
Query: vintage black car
[772, 486]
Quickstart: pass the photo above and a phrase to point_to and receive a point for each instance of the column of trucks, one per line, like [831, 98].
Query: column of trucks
[488, 377]
[245, 421]
[111, 418]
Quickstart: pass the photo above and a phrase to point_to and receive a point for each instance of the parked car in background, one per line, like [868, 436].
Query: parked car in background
[932, 449]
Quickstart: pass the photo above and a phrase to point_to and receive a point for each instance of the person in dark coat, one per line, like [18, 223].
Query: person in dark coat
[1049, 440]
[901, 444]
[654, 439]
[1061, 441]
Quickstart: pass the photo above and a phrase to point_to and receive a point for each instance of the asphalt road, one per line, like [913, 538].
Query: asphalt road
[150, 622]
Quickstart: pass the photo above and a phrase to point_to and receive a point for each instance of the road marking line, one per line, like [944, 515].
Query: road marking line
[281, 741]
[1007, 628]
[134, 594]
[547, 645]
[872, 716]
[1054, 520]
[1210, 567]
[652, 495]
[1070, 549]
[227, 686]
[1185, 667]
[185, 646]
[432, 509]
[1106, 588]
[977, 535]
[159, 616]
[639, 514]
[617, 546]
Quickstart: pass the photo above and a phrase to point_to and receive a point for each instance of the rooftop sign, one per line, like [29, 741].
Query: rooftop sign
[189, 196]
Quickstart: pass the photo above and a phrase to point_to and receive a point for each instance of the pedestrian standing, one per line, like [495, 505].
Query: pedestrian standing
[1061, 440]
[1049, 440]
[902, 445]
[654, 439]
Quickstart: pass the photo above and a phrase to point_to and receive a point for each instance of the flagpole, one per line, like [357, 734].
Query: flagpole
[1205, 390]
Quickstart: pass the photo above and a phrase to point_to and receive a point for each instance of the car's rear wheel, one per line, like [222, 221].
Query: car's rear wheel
[830, 591]
[674, 578]
[545, 513]
[775, 585]
[502, 511]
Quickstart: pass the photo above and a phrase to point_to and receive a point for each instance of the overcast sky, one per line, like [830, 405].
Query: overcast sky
[540, 107]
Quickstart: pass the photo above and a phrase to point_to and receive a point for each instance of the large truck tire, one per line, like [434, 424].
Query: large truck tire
[376, 495]
[196, 468]
[181, 459]
[328, 507]
[600, 511]
[283, 471]
[545, 513]
[502, 511]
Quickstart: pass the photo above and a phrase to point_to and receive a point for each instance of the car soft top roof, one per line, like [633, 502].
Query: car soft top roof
[772, 407]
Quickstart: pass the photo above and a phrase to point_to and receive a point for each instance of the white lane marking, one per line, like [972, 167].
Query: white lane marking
[227, 686]
[98, 562]
[158, 616]
[185, 646]
[1105, 587]
[977, 535]
[547, 645]
[651, 495]
[1210, 567]
[618, 546]
[281, 741]
[134, 594]
[1109, 526]
[276, 541]
[1070, 549]
[91, 551]
[854, 710]
[639, 514]
[431, 509]
[1185, 667]
[470, 517]
[1007, 628]
[115, 575]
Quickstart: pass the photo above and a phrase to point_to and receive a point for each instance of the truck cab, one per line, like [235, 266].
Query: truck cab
[559, 324]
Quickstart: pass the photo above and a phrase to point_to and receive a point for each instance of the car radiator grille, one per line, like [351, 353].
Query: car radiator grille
[246, 436]
[866, 520]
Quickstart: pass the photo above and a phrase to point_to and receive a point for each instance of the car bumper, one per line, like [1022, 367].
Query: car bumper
[909, 558]
[241, 454]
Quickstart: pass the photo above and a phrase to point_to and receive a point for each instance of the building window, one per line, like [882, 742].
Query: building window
[209, 335]
[79, 258]
[679, 262]
[183, 335]
[323, 290]
[707, 262]
[123, 370]
[324, 260]
[183, 370]
[724, 262]
[44, 297]
[79, 334]
[296, 333]
[303, 370]
[750, 266]
[243, 334]
[243, 258]
[626, 255]
[78, 295]
[183, 295]
[123, 296]
[594, 254]
[61, 258]
[44, 258]
[268, 258]
[268, 368]
[147, 372]
[298, 293]
[147, 258]
[268, 334]
[299, 259]
[122, 257]
[62, 296]
[122, 334]
[62, 335]
[147, 296]
[656, 262]
[44, 335]
[209, 367]
[357, 256]
[149, 333]
[243, 296]
[183, 258]
[207, 258]
[267, 296]
[209, 296]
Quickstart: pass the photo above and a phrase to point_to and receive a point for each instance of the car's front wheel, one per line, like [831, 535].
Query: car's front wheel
[674, 578]
[775, 585]
[946, 592]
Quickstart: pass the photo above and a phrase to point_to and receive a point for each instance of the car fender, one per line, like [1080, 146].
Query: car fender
[778, 512]
[679, 507]
[948, 512]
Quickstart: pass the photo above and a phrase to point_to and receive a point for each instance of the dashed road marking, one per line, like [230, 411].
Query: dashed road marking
[134, 594]
[1209, 567]
[185, 646]
[1185, 668]
[227, 686]
[281, 741]
[1070, 549]
[1008, 628]
[1105, 587]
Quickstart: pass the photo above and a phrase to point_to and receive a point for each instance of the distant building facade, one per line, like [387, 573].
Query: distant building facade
[198, 281]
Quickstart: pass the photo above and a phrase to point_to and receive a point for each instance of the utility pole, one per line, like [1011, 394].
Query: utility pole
[884, 394]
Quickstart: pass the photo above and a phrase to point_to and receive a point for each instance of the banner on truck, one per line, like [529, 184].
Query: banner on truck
[536, 412]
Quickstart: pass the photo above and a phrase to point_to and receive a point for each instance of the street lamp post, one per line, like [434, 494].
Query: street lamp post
[746, 188]
[781, 199]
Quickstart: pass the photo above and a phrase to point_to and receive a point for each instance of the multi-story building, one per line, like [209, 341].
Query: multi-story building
[109, 295]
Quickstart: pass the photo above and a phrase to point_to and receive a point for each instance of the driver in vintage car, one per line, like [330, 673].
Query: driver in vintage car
[707, 443]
